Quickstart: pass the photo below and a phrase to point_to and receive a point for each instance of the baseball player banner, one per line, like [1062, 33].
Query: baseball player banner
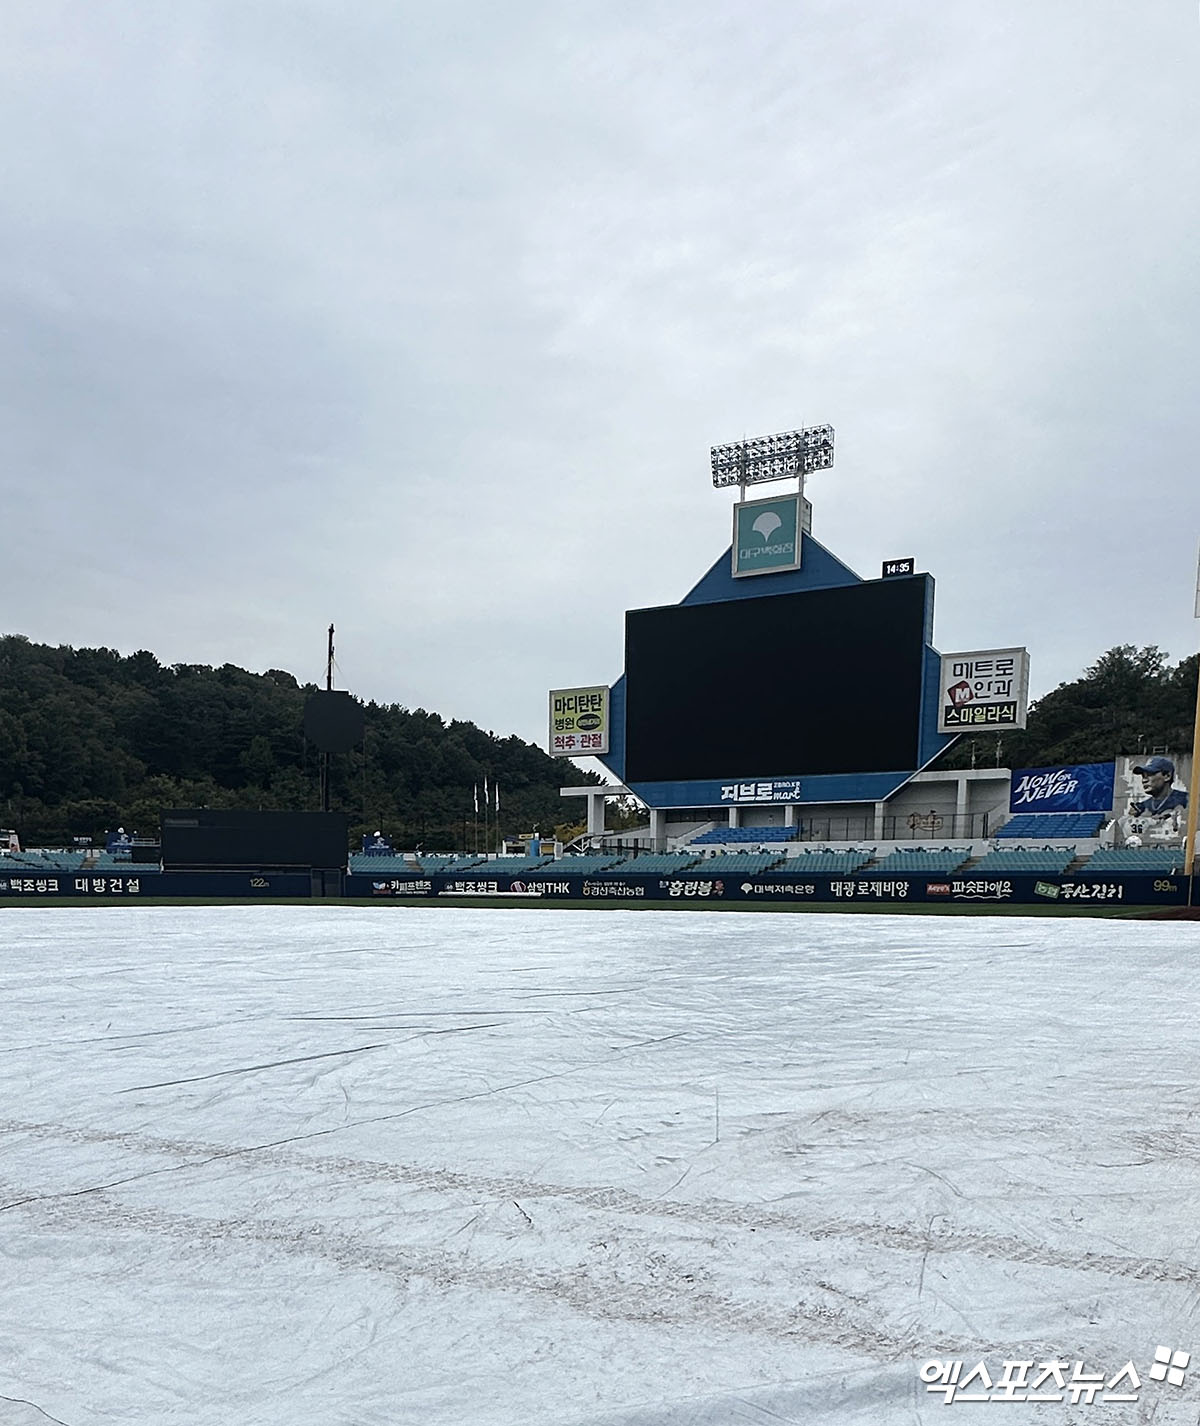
[1152, 795]
[987, 689]
[1079, 787]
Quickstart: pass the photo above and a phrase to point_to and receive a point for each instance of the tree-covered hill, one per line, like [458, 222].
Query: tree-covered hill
[91, 740]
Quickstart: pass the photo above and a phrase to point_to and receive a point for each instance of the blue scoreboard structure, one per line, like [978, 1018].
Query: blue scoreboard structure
[811, 685]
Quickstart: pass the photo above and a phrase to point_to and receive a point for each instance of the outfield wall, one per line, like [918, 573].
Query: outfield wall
[568, 888]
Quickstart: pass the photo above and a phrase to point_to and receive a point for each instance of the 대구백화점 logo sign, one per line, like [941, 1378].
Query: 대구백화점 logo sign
[766, 535]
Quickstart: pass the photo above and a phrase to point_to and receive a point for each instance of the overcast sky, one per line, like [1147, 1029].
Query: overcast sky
[421, 318]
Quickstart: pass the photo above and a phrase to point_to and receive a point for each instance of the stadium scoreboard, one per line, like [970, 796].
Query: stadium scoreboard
[799, 684]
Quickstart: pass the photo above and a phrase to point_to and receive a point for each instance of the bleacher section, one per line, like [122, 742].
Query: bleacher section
[43, 861]
[364, 865]
[1049, 861]
[1035, 825]
[653, 864]
[1134, 859]
[827, 863]
[731, 836]
[735, 864]
[108, 862]
[414, 864]
[501, 866]
[431, 863]
[918, 861]
[591, 862]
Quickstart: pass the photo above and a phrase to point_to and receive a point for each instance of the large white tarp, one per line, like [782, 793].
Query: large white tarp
[296, 1166]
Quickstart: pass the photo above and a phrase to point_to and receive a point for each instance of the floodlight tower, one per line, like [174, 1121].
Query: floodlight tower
[782, 457]
[773, 458]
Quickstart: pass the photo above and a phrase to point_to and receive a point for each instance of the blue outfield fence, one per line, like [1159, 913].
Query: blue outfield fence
[780, 888]
[765, 888]
[126, 886]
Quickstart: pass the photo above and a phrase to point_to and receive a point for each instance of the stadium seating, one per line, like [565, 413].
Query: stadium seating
[362, 865]
[731, 836]
[918, 861]
[827, 863]
[435, 863]
[108, 862]
[38, 860]
[500, 866]
[736, 864]
[1032, 825]
[1134, 859]
[588, 863]
[1051, 861]
[652, 864]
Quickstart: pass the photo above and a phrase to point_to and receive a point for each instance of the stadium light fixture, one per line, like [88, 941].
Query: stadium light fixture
[786, 456]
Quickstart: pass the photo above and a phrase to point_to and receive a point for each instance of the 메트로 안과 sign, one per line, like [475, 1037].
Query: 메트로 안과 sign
[987, 688]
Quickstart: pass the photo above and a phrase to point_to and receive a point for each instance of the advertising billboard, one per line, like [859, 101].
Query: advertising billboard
[1077, 787]
[579, 722]
[1152, 798]
[766, 535]
[987, 688]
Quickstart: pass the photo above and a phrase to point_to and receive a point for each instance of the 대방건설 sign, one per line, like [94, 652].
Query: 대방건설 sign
[578, 721]
[987, 688]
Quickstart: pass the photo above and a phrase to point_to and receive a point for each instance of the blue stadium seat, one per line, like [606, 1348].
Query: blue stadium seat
[1134, 859]
[918, 861]
[731, 836]
[1031, 825]
[1049, 861]
[652, 864]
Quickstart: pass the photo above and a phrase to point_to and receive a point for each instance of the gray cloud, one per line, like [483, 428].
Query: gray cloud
[421, 319]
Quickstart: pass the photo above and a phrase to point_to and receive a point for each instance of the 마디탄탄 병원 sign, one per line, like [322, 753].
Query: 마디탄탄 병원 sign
[579, 723]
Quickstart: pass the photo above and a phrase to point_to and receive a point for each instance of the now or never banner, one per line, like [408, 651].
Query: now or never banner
[1082, 787]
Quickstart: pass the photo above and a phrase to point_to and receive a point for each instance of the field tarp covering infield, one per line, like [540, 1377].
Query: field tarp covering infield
[271, 1165]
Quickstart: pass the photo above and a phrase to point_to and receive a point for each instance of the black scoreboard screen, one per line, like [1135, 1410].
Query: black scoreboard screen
[204, 838]
[823, 681]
